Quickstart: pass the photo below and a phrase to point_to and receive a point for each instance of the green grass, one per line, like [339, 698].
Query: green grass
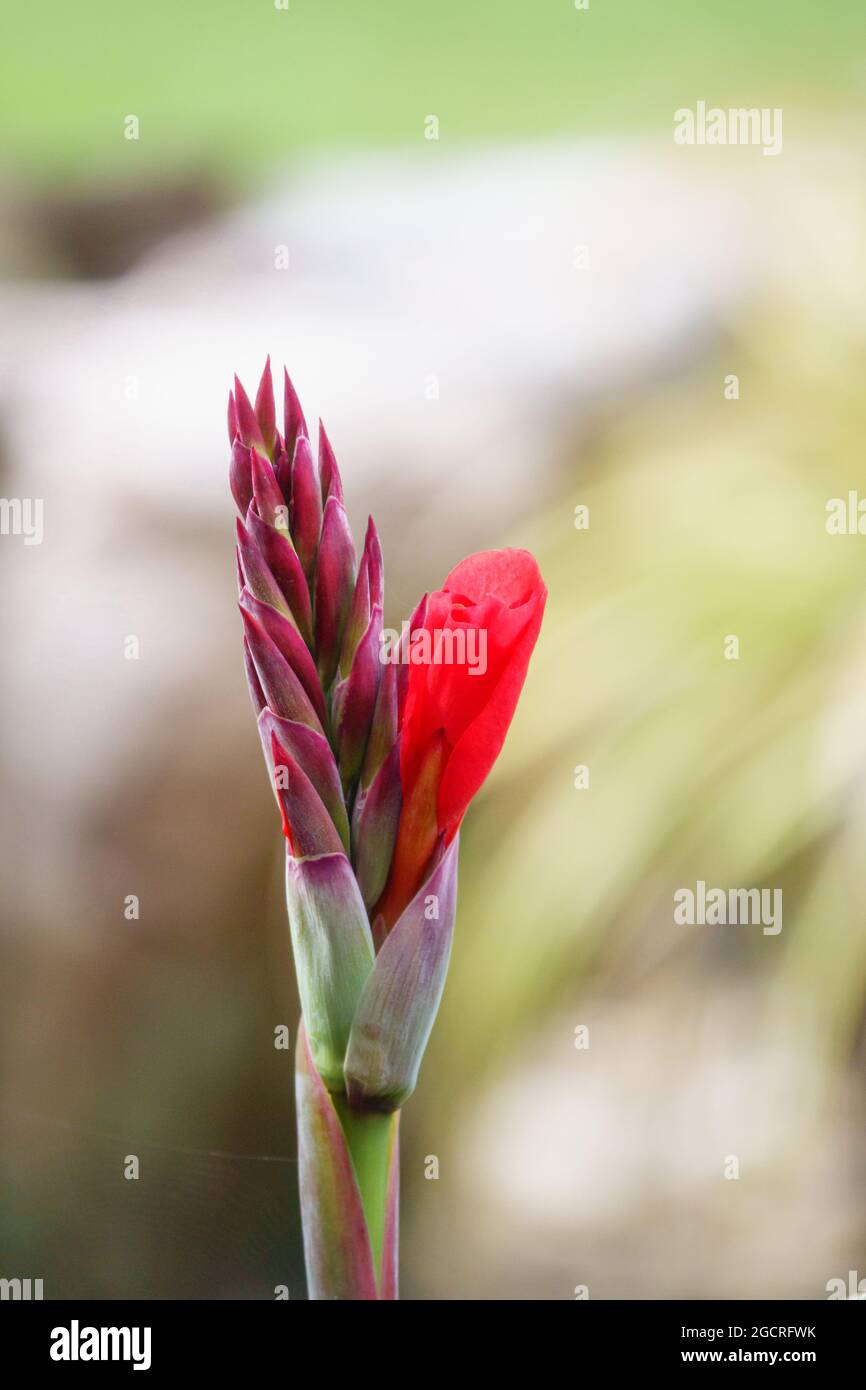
[238, 85]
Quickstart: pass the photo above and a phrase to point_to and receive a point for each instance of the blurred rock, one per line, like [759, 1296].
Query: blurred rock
[100, 230]
[682, 1154]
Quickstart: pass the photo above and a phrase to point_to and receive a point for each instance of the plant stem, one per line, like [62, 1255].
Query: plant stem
[369, 1135]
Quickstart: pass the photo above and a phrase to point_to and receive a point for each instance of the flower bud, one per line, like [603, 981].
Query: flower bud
[283, 690]
[249, 428]
[335, 578]
[306, 507]
[255, 574]
[329, 473]
[375, 817]
[355, 700]
[277, 555]
[311, 751]
[294, 424]
[270, 503]
[265, 410]
[291, 645]
[241, 475]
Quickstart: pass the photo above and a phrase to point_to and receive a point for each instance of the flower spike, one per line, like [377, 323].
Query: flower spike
[374, 750]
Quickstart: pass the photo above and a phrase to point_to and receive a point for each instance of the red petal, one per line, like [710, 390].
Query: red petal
[501, 594]
[479, 745]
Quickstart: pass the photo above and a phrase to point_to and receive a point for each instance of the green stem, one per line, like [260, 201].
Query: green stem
[368, 1135]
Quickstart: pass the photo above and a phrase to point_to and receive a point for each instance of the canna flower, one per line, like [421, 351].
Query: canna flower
[373, 759]
[456, 714]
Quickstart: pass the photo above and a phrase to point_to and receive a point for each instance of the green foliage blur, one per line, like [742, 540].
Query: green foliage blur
[241, 87]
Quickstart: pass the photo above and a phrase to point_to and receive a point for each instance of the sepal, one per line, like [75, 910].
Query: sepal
[294, 423]
[283, 690]
[369, 594]
[335, 578]
[375, 817]
[333, 951]
[270, 503]
[355, 701]
[400, 999]
[291, 644]
[307, 824]
[241, 475]
[256, 573]
[279, 558]
[306, 506]
[249, 428]
[329, 473]
[383, 730]
[265, 409]
[311, 751]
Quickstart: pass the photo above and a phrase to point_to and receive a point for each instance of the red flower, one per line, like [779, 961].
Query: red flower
[467, 665]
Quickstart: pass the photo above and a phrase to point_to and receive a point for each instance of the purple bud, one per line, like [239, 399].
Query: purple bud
[285, 568]
[306, 823]
[256, 574]
[335, 578]
[232, 419]
[257, 695]
[248, 426]
[332, 483]
[358, 618]
[355, 700]
[294, 423]
[265, 410]
[306, 512]
[312, 752]
[270, 503]
[375, 564]
[283, 471]
[241, 476]
[291, 644]
[383, 729]
[282, 688]
[369, 594]
[375, 818]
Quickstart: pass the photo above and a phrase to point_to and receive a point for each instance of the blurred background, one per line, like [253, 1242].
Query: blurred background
[469, 234]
